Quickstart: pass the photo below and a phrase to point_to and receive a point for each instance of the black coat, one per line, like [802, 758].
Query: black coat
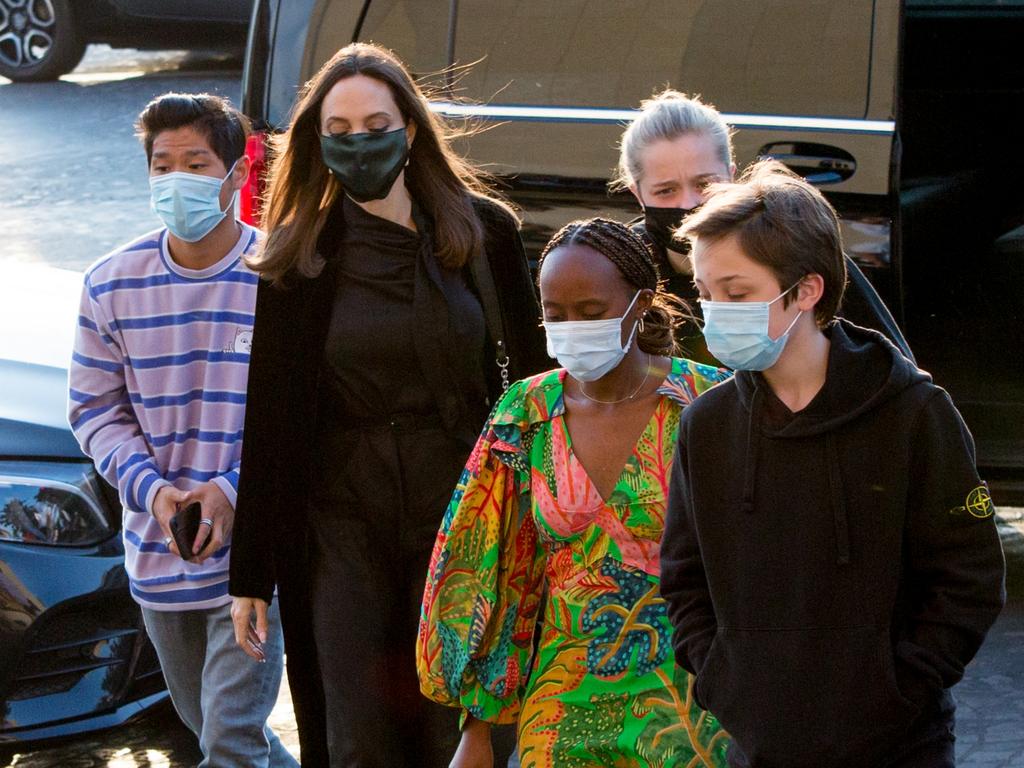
[269, 541]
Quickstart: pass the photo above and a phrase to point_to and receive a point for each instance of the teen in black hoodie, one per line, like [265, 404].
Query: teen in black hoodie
[830, 558]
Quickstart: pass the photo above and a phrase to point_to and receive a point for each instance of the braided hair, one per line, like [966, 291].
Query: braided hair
[631, 255]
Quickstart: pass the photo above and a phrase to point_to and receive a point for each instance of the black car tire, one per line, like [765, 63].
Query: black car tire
[25, 21]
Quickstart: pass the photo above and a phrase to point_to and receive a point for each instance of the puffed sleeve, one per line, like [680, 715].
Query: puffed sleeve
[484, 585]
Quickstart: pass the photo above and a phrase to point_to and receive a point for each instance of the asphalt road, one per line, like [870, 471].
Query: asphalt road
[73, 177]
[73, 186]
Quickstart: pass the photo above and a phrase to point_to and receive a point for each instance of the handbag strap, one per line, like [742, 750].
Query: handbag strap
[481, 270]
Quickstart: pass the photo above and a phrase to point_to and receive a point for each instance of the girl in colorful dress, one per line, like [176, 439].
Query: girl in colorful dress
[557, 519]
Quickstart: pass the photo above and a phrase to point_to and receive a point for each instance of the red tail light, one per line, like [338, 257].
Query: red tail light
[251, 196]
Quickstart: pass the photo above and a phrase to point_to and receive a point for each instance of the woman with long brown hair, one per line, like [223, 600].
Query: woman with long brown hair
[395, 303]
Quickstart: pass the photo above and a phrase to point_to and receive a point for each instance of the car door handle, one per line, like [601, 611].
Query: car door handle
[819, 164]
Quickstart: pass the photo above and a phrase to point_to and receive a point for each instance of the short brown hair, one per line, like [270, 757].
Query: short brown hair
[782, 222]
[223, 126]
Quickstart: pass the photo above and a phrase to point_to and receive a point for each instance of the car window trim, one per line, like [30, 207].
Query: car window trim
[608, 115]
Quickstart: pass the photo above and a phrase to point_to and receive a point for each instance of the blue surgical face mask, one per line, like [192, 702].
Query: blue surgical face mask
[189, 203]
[736, 333]
[588, 349]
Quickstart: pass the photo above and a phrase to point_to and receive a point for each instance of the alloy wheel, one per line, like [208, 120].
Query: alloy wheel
[26, 32]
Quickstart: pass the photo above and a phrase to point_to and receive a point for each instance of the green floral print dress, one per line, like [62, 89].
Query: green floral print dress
[528, 538]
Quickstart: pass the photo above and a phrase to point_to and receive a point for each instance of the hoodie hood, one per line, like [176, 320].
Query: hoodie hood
[865, 370]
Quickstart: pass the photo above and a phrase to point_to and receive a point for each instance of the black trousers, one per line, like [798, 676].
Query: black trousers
[371, 548]
[930, 743]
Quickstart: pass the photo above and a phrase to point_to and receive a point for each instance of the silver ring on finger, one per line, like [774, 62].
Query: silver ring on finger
[206, 521]
[167, 541]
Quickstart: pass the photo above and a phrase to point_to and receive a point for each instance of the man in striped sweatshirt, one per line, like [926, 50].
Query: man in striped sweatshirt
[157, 400]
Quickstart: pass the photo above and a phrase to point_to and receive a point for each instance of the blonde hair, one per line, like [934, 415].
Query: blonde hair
[664, 117]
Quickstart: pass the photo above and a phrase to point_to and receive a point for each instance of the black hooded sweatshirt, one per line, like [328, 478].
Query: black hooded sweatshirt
[829, 573]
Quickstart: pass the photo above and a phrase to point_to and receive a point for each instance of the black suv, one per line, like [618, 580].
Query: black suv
[906, 113]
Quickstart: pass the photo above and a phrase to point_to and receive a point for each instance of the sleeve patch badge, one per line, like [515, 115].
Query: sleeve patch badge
[978, 504]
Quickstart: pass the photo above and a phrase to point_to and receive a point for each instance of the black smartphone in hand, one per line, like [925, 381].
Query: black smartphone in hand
[255, 643]
[185, 528]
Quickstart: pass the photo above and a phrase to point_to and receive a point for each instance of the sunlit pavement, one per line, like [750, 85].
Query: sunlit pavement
[73, 177]
[73, 185]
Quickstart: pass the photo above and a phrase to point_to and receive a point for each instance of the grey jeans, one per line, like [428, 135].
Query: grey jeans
[220, 693]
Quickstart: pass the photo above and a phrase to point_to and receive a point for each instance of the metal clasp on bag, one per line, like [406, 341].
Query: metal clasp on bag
[502, 362]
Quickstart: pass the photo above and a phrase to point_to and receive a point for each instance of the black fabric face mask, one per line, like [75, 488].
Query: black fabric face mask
[661, 223]
[366, 164]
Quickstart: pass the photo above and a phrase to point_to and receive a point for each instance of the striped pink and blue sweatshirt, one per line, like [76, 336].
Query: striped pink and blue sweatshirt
[157, 396]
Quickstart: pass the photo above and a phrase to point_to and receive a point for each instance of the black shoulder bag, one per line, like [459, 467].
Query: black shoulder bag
[484, 280]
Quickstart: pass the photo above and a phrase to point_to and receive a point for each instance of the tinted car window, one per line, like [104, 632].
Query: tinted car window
[779, 57]
[417, 31]
[334, 24]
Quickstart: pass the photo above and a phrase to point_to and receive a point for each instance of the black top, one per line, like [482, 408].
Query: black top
[830, 572]
[270, 540]
[287, 380]
[372, 369]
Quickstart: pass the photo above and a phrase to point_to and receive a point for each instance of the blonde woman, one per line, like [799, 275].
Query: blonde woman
[669, 155]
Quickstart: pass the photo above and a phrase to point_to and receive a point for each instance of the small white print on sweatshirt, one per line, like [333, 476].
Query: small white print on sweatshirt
[243, 340]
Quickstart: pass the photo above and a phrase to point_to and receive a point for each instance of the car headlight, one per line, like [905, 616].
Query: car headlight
[49, 503]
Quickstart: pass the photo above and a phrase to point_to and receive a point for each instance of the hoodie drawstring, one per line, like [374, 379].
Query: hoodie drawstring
[750, 477]
[835, 485]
